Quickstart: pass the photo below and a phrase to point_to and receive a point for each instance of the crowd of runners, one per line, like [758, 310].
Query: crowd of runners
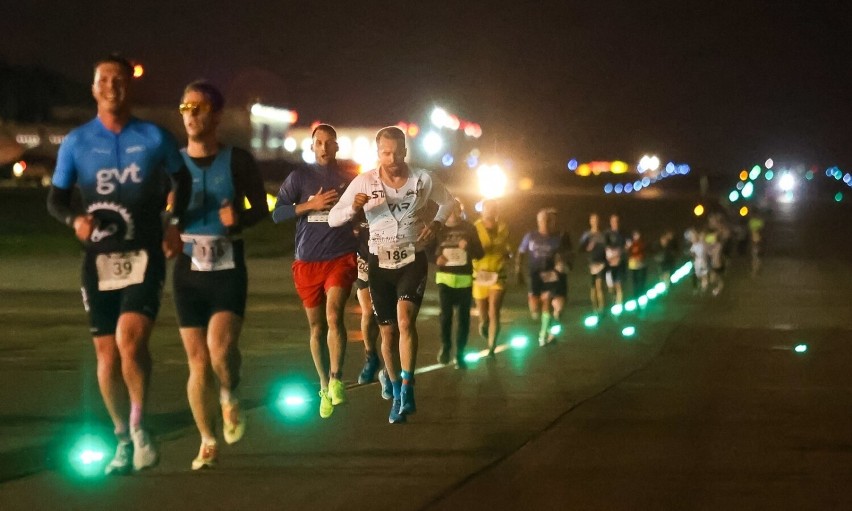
[144, 201]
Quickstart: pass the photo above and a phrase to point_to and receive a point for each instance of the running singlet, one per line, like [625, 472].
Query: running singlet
[396, 217]
[205, 239]
[122, 180]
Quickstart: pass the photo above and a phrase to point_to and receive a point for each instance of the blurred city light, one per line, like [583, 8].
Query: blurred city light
[432, 143]
[572, 164]
[138, 71]
[699, 210]
[743, 175]
[769, 175]
[492, 181]
[748, 190]
[733, 196]
[755, 172]
[769, 163]
[787, 182]
[744, 211]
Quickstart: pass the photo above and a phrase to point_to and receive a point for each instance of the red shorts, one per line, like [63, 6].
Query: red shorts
[313, 279]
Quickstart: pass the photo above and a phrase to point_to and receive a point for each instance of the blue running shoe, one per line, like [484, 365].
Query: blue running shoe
[406, 398]
[395, 417]
[387, 387]
[371, 367]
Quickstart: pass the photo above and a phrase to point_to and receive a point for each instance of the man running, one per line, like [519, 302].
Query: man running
[393, 197]
[593, 243]
[616, 246]
[549, 254]
[325, 266]
[119, 163]
[210, 276]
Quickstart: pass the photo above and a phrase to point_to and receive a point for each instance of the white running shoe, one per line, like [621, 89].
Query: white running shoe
[144, 451]
[233, 422]
[122, 462]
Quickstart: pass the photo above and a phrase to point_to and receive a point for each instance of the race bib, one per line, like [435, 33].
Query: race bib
[318, 216]
[548, 276]
[118, 270]
[362, 270]
[455, 256]
[486, 278]
[210, 253]
[392, 257]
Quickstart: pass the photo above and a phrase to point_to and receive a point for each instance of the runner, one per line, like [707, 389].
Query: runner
[119, 163]
[593, 243]
[636, 264]
[549, 259]
[210, 277]
[369, 326]
[325, 267]
[490, 271]
[454, 247]
[394, 197]
[616, 267]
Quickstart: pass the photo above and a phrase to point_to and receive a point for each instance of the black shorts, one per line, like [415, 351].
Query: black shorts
[387, 287]
[617, 273]
[104, 307]
[200, 294]
[538, 287]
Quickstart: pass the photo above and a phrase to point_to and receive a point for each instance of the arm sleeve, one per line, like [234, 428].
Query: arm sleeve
[524, 246]
[443, 198]
[251, 184]
[342, 212]
[288, 195]
[59, 205]
[179, 175]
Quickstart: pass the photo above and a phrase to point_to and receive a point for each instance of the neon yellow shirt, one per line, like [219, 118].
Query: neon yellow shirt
[496, 248]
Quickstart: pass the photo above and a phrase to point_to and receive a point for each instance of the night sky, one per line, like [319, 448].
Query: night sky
[721, 85]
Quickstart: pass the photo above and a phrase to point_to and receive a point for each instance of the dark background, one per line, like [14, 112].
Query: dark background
[721, 85]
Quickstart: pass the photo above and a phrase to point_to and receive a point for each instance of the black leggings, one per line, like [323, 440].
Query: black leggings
[455, 297]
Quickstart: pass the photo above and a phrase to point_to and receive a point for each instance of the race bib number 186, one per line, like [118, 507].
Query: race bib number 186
[392, 257]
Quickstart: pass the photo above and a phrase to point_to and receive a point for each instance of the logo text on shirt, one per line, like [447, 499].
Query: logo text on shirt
[107, 178]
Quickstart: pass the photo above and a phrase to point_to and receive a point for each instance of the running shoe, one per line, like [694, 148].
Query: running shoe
[144, 451]
[207, 456]
[371, 367]
[460, 363]
[406, 400]
[387, 385]
[122, 462]
[337, 392]
[444, 355]
[233, 422]
[326, 408]
[395, 416]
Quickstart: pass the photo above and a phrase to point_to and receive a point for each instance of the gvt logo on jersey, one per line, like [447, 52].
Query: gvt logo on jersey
[107, 178]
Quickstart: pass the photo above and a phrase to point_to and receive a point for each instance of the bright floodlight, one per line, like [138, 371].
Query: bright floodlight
[432, 143]
[492, 181]
[439, 117]
[787, 182]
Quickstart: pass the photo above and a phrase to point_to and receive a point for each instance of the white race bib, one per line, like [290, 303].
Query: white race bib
[549, 276]
[362, 270]
[210, 253]
[486, 278]
[392, 257]
[118, 270]
[318, 216]
[455, 256]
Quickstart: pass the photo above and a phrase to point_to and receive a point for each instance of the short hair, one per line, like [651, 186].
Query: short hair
[391, 132]
[328, 128]
[115, 58]
[210, 91]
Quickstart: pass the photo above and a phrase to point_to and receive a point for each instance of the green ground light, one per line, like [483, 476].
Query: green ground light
[617, 309]
[801, 348]
[519, 341]
[628, 331]
[471, 357]
[556, 329]
[642, 301]
[590, 321]
[89, 455]
[293, 401]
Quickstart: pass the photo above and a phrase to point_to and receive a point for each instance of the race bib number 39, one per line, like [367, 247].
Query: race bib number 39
[210, 253]
[118, 270]
[392, 257]
[318, 216]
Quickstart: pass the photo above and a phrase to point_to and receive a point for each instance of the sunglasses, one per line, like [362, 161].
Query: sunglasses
[194, 108]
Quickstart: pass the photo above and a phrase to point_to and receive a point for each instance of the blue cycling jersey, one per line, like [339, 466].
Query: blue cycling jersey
[122, 180]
